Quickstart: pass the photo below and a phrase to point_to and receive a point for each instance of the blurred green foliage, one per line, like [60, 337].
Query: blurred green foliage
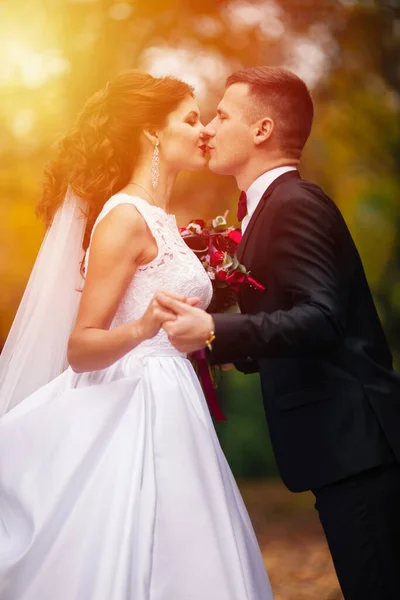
[244, 437]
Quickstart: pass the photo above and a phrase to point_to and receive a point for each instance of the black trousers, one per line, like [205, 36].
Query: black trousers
[361, 520]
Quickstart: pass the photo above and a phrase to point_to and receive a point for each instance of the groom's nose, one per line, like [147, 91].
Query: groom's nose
[208, 131]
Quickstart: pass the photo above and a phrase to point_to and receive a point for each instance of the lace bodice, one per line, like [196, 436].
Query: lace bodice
[175, 268]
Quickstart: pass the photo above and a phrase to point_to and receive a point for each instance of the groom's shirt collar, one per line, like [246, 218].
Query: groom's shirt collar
[257, 189]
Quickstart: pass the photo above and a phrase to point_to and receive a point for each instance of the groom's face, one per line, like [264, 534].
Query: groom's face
[230, 132]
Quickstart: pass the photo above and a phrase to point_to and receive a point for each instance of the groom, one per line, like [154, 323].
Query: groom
[331, 397]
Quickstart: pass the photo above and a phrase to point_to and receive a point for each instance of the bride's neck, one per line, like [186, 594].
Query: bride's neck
[141, 180]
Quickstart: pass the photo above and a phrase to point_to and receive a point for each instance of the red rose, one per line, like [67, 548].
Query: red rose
[220, 242]
[197, 242]
[221, 275]
[235, 236]
[216, 259]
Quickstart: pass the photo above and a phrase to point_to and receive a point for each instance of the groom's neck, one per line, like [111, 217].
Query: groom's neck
[254, 168]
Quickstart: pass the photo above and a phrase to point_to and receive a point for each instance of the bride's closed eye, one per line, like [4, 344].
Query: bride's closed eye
[192, 118]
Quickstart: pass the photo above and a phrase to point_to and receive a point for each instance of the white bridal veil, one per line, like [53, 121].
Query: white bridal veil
[36, 348]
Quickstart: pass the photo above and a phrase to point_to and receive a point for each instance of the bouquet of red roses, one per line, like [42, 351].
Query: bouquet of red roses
[215, 244]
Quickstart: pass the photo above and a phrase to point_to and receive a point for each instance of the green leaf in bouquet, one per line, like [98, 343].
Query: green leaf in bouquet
[236, 263]
[228, 263]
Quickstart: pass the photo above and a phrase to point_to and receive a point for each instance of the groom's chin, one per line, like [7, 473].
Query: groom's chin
[216, 168]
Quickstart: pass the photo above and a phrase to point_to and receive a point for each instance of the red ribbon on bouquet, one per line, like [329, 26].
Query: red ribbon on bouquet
[237, 279]
[208, 388]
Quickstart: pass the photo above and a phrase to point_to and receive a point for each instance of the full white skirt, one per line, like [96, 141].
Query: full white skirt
[113, 486]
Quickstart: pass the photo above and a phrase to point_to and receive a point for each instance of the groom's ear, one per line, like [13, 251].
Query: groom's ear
[263, 130]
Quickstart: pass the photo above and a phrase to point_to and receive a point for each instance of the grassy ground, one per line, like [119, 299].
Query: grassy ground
[292, 542]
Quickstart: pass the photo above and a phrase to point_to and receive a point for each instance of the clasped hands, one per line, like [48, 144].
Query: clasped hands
[191, 327]
[187, 326]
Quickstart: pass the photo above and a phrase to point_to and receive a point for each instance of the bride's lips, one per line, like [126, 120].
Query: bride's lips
[203, 148]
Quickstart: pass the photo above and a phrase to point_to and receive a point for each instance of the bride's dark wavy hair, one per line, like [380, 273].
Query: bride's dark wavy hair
[97, 157]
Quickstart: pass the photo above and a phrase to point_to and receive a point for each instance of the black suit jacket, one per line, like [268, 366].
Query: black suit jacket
[331, 397]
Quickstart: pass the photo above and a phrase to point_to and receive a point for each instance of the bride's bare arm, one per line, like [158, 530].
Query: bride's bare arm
[120, 243]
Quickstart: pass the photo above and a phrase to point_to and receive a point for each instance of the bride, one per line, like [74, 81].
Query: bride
[113, 485]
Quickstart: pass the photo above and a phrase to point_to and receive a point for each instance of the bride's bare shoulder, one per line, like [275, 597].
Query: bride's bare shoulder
[121, 232]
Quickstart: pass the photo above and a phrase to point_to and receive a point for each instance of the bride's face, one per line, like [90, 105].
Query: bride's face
[181, 147]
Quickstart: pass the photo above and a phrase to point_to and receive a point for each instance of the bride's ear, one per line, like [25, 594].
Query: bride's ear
[151, 135]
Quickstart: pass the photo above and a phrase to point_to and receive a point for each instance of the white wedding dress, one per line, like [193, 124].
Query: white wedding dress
[113, 485]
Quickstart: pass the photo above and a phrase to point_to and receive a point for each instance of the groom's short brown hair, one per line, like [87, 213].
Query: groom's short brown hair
[283, 96]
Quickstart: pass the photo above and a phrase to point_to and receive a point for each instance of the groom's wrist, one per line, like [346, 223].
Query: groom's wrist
[210, 333]
[228, 346]
[210, 340]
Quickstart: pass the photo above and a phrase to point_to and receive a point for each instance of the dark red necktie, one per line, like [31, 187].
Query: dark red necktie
[242, 207]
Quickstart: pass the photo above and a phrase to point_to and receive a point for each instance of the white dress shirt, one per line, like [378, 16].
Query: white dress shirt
[257, 189]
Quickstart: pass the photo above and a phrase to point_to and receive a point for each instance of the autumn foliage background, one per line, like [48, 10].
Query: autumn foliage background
[55, 53]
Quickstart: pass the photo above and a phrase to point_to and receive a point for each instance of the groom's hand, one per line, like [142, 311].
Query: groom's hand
[192, 327]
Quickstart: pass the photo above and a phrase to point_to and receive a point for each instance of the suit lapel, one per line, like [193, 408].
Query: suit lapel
[261, 205]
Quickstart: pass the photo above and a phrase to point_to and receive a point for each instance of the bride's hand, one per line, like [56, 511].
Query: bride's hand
[152, 320]
[156, 315]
